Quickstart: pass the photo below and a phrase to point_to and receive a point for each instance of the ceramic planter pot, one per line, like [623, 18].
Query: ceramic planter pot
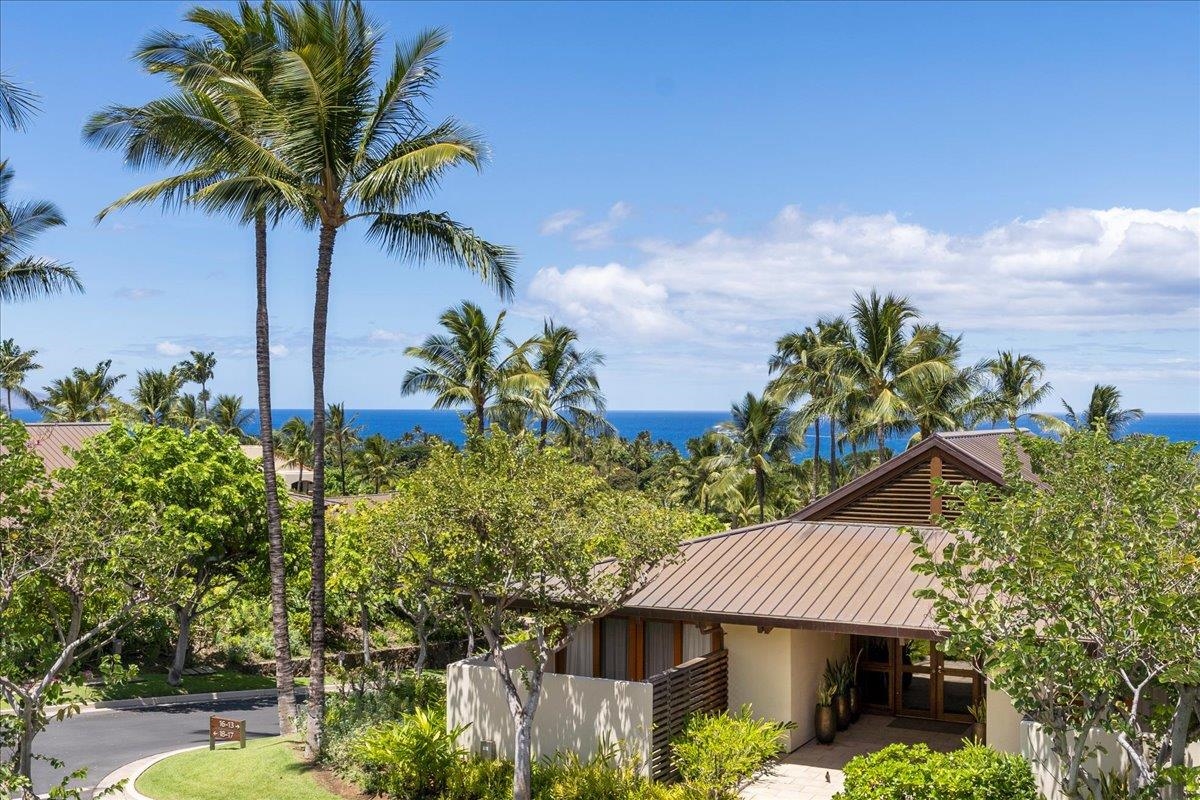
[855, 704]
[979, 732]
[841, 705]
[825, 720]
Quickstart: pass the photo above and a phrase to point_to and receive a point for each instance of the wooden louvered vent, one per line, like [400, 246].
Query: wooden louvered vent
[906, 499]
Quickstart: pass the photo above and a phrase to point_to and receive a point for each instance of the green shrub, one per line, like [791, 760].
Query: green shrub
[413, 758]
[717, 753]
[480, 779]
[903, 772]
[391, 697]
[567, 777]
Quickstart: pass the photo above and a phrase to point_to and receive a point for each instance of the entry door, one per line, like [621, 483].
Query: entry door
[958, 687]
[916, 689]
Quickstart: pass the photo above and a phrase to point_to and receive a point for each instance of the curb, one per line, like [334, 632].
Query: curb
[184, 699]
[133, 770]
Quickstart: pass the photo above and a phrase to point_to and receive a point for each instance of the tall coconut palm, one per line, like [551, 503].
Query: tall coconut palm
[379, 461]
[357, 149]
[343, 434]
[17, 104]
[1016, 385]
[944, 400]
[1103, 409]
[24, 276]
[203, 132]
[696, 478]
[83, 396]
[296, 444]
[473, 365]
[156, 393]
[886, 350]
[198, 368]
[187, 413]
[229, 417]
[571, 402]
[757, 440]
[15, 366]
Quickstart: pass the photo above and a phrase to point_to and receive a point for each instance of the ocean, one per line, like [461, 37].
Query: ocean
[675, 427]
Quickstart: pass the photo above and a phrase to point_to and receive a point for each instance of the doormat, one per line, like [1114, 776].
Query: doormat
[930, 725]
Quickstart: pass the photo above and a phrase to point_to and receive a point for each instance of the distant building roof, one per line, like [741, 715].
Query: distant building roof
[817, 575]
[56, 442]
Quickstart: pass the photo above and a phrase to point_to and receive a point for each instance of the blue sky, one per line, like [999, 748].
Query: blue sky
[685, 183]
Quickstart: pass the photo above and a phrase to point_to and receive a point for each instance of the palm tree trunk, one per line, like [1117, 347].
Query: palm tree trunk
[760, 488]
[285, 685]
[314, 738]
[816, 467]
[342, 462]
[545, 426]
[881, 442]
[479, 410]
[832, 452]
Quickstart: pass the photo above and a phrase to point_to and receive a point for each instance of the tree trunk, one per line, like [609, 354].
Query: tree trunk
[470, 633]
[523, 760]
[284, 679]
[760, 488]
[815, 491]
[480, 408]
[314, 739]
[422, 630]
[342, 463]
[183, 617]
[25, 742]
[881, 442]
[545, 427]
[8, 400]
[364, 621]
[832, 452]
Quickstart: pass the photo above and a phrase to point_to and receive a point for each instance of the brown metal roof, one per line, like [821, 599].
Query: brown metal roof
[976, 453]
[819, 575]
[55, 442]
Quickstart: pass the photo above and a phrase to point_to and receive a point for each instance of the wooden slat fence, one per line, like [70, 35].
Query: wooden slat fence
[697, 686]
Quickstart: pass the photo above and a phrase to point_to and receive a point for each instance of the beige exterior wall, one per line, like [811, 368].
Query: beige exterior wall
[777, 673]
[1003, 722]
[577, 714]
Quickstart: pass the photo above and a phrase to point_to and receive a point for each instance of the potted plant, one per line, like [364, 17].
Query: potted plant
[979, 728]
[835, 676]
[855, 699]
[825, 718]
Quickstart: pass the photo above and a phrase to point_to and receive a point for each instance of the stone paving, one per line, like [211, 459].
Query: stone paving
[814, 771]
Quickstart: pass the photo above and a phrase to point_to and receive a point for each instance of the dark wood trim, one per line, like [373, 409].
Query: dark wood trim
[560, 661]
[678, 654]
[709, 617]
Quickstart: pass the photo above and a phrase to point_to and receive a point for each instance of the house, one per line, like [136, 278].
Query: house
[751, 615]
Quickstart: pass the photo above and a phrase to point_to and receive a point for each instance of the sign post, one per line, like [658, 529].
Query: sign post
[225, 730]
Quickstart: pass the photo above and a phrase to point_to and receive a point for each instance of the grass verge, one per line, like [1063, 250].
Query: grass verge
[268, 769]
[154, 684]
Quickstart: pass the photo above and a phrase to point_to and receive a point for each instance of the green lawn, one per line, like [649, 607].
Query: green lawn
[154, 684]
[268, 769]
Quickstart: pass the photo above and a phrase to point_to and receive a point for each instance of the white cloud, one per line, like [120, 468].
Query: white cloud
[280, 350]
[386, 336]
[1069, 270]
[169, 348]
[560, 221]
[136, 293]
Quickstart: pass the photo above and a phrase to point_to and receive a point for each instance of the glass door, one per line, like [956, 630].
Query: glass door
[958, 687]
[915, 690]
[876, 673]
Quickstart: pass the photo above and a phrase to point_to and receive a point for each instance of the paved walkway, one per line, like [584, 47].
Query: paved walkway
[814, 771]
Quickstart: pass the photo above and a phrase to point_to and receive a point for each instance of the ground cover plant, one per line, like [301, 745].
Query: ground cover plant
[907, 772]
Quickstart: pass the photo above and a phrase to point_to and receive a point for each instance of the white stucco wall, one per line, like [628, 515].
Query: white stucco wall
[577, 714]
[777, 673]
[1003, 722]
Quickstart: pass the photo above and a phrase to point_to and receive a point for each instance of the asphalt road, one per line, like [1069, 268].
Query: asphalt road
[103, 740]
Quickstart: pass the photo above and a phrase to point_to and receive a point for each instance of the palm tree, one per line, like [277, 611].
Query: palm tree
[946, 400]
[83, 396]
[17, 104]
[203, 131]
[571, 401]
[296, 444]
[881, 356]
[696, 479]
[354, 149]
[343, 434]
[379, 460]
[466, 366]
[188, 414]
[229, 417]
[759, 437]
[156, 393]
[1017, 385]
[23, 276]
[1103, 409]
[198, 368]
[15, 366]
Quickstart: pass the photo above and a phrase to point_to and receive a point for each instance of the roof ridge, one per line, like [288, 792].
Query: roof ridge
[980, 432]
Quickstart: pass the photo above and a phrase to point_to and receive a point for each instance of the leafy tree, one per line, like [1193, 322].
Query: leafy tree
[208, 494]
[198, 368]
[508, 523]
[474, 365]
[15, 366]
[83, 396]
[570, 403]
[155, 395]
[202, 133]
[1080, 599]
[24, 276]
[74, 569]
